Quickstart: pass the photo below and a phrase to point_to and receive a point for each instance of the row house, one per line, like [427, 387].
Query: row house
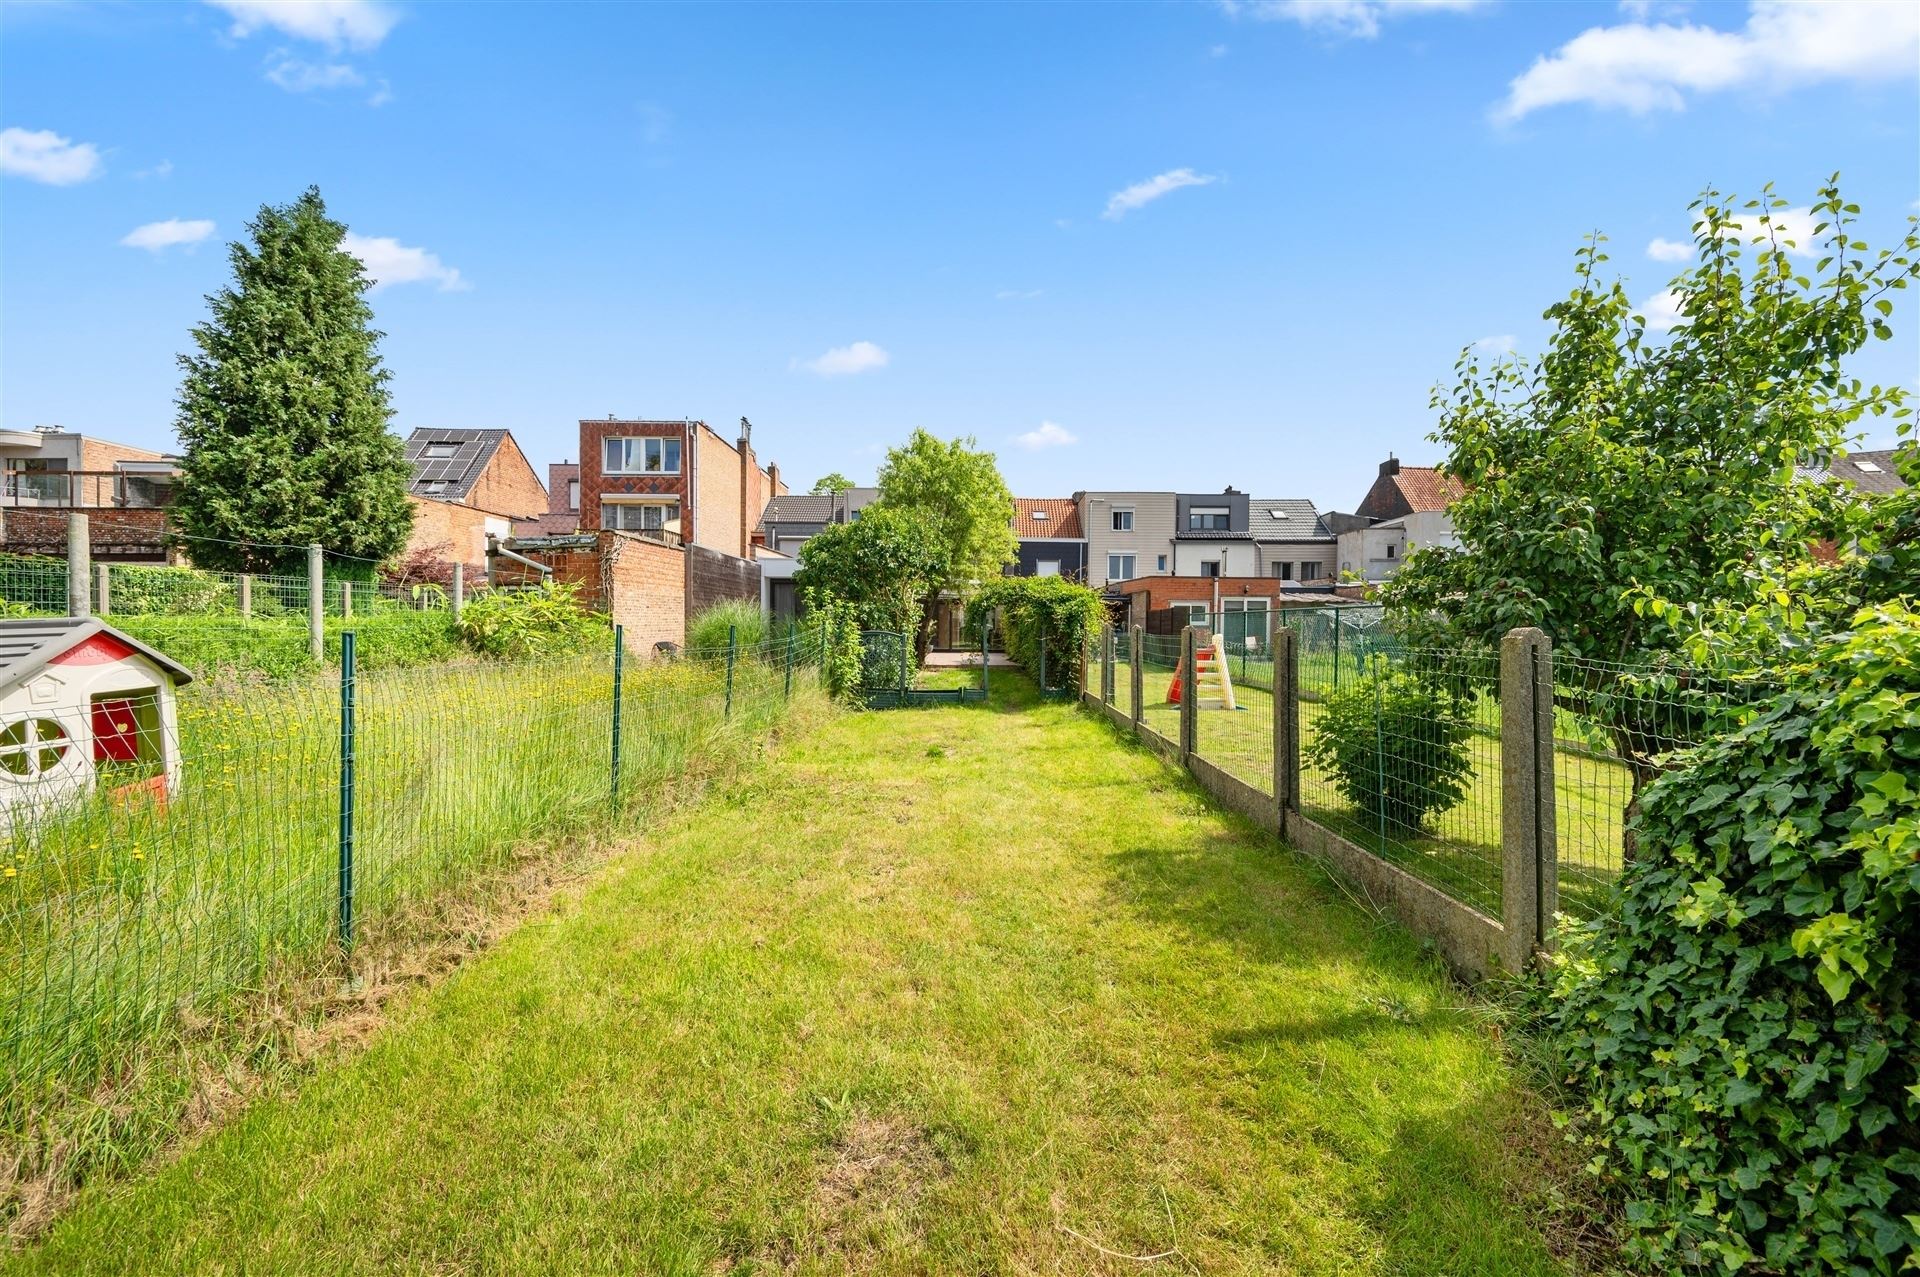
[1201, 536]
[678, 481]
[1404, 510]
[466, 486]
[48, 473]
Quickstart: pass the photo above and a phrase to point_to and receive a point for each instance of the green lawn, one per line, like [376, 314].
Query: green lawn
[958, 990]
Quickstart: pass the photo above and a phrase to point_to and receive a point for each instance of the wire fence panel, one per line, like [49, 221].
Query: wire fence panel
[1159, 662]
[1233, 714]
[227, 842]
[33, 585]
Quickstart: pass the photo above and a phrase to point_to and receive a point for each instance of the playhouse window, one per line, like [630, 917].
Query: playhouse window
[31, 747]
[126, 734]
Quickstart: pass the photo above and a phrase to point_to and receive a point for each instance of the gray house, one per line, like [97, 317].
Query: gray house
[1291, 540]
[789, 520]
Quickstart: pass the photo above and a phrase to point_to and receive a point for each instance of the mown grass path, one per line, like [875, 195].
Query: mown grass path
[967, 990]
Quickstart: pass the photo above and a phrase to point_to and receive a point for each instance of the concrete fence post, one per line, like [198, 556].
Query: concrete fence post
[1107, 641]
[102, 588]
[346, 600]
[457, 599]
[246, 595]
[1286, 725]
[79, 566]
[316, 602]
[1136, 644]
[1189, 719]
[1529, 876]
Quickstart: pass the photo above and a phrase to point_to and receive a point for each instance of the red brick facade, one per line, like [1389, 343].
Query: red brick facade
[721, 487]
[593, 453]
[640, 583]
[1146, 595]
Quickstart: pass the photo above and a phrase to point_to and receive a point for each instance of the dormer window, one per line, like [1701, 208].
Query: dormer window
[1207, 519]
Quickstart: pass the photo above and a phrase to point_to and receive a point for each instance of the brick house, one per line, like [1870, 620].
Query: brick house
[563, 503]
[466, 486]
[1405, 509]
[678, 481]
[1162, 604]
[640, 582]
[48, 473]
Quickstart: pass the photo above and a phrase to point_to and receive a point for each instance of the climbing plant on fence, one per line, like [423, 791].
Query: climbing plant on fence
[1742, 1034]
[1036, 610]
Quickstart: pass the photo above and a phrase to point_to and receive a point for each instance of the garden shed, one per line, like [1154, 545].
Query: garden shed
[83, 706]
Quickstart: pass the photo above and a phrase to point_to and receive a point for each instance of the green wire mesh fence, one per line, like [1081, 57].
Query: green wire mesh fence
[234, 844]
[1402, 751]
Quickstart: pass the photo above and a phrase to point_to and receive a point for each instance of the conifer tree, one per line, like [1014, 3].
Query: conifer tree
[283, 412]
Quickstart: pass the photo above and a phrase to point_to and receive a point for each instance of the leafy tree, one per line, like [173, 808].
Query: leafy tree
[879, 565]
[283, 411]
[955, 490]
[1621, 466]
[829, 484]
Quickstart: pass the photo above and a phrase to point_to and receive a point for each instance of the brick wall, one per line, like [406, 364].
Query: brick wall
[713, 577]
[453, 532]
[115, 536]
[640, 584]
[716, 519]
[593, 483]
[100, 454]
[509, 484]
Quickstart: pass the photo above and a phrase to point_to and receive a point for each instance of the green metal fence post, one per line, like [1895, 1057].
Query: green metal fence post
[733, 640]
[619, 670]
[789, 688]
[1379, 759]
[346, 790]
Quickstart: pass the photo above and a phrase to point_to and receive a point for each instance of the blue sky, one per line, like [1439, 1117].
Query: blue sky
[1209, 244]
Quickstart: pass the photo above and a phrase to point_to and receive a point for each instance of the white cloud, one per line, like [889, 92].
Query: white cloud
[1497, 345]
[296, 76]
[44, 156]
[1793, 228]
[1018, 294]
[841, 361]
[388, 261]
[1662, 311]
[1358, 18]
[157, 237]
[359, 24]
[382, 95]
[1048, 434]
[163, 169]
[1640, 68]
[1143, 193]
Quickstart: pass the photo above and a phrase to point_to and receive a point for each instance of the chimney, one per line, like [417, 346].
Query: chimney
[1390, 466]
[749, 484]
[773, 480]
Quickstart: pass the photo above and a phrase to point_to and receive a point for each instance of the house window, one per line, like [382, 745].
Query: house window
[1210, 567]
[1391, 551]
[1160, 564]
[441, 451]
[1191, 613]
[1123, 520]
[573, 494]
[1207, 519]
[641, 516]
[642, 456]
[1310, 570]
[1047, 567]
[1039, 516]
[1282, 571]
[1120, 566]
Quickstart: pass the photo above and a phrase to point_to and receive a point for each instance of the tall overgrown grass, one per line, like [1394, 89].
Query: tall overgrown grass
[128, 928]
[707, 632]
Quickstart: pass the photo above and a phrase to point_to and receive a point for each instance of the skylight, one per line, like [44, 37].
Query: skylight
[1278, 514]
[1868, 466]
[1039, 514]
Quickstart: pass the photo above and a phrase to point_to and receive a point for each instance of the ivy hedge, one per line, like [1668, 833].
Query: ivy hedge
[1041, 611]
[1742, 1034]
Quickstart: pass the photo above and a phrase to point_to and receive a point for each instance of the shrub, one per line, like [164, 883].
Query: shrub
[547, 620]
[155, 591]
[841, 648]
[707, 632]
[1041, 610]
[1396, 743]
[1742, 1033]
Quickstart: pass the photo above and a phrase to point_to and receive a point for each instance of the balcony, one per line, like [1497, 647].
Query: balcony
[85, 490]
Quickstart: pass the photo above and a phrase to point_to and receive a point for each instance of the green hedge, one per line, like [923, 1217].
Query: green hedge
[1742, 1035]
[1037, 611]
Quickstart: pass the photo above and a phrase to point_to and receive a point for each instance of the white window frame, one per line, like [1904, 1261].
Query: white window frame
[648, 444]
[668, 506]
[1123, 518]
[1197, 613]
[1114, 557]
[1046, 567]
[1317, 566]
[1280, 569]
[1162, 561]
[573, 494]
[1220, 512]
[1211, 568]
